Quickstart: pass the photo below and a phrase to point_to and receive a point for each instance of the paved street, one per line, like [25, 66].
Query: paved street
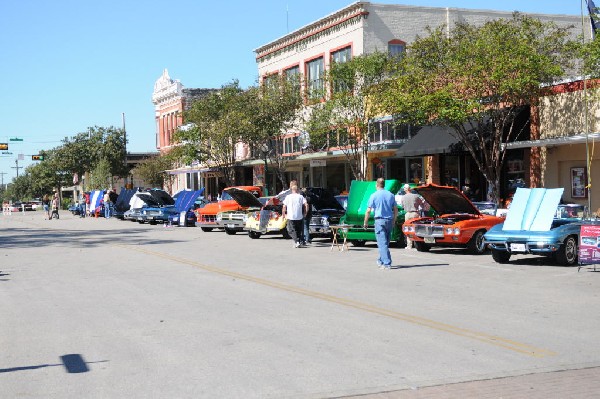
[97, 308]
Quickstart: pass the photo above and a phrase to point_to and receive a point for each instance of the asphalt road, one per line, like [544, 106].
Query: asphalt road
[97, 308]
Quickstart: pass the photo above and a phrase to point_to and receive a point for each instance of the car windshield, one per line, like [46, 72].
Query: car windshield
[488, 208]
[226, 196]
[570, 211]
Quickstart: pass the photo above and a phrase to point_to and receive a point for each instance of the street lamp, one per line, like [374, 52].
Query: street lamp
[264, 149]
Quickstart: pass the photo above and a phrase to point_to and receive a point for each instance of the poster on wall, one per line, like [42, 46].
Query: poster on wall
[578, 183]
[589, 245]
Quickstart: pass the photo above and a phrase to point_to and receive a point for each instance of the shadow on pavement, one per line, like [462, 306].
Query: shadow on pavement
[73, 363]
[36, 237]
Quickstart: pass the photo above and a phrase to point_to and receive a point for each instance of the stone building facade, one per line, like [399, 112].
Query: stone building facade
[363, 28]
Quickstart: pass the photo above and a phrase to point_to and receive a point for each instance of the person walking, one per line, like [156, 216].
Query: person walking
[46, 206]
[383, 203]
[411, 202]
[294, 209]
[55, 204]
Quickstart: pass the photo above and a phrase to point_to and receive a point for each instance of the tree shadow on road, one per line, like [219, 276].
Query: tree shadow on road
[36, 237]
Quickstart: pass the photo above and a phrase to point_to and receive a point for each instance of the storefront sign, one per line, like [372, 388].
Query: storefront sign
[317, 162]
[589, 245]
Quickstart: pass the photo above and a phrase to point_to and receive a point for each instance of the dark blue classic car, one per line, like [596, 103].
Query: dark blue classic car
[536, 224]
[183, 203]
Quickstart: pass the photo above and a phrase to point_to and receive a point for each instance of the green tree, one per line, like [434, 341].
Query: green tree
[476, 79]
[101, 176]
[269, 113]
[343, 120]
[153, 170]
[213, 131]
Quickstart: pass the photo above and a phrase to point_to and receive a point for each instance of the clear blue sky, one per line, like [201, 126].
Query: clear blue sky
[66, 65]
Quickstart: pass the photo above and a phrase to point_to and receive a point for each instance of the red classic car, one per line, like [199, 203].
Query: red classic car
[207, 216]
[458, 224]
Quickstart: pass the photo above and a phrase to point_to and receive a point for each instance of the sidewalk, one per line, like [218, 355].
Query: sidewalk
[571, 384]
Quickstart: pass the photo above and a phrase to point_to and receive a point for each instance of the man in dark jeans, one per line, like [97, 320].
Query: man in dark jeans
[294, 209]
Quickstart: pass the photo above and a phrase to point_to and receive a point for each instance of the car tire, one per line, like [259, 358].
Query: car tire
[567, 254]
[254, 235]
[229, 231]
[476, 245]
[206, 229]
[358, 243]
[500, 256]
[421, 246]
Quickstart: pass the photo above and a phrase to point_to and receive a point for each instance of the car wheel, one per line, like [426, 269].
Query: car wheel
[476, 245]
[254, 234]
[421, 246]
[152, 223]
[567, 254]
[500, 256]
[229, 231]
[358, 243]
[206, 229]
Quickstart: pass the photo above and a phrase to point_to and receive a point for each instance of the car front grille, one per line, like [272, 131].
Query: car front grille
[429, 230]
[208, 218]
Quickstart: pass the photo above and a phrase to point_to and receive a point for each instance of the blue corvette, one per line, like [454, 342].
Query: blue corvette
[537, 224]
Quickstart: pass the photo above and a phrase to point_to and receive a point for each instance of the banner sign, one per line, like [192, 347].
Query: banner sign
[589, 245]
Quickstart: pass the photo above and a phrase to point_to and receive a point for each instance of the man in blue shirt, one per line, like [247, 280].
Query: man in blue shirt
[383, 203]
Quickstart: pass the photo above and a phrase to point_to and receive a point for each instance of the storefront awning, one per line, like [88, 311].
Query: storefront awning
[554, 141]
[428, 141]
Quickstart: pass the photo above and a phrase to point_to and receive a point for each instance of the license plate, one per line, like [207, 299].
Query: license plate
[231, 226]
[429, 240]
[517, 247]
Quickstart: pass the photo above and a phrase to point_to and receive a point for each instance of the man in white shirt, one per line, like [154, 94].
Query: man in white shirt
[294, 209]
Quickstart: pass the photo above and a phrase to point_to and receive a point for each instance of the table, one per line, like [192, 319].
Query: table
[335, 231]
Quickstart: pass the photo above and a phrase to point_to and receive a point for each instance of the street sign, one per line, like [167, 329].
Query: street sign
[6, 153]
[3, 146]
[15, 139]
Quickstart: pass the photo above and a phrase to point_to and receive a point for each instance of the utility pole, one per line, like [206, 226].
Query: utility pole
[2, 174]
[125, 145]
[17, 167]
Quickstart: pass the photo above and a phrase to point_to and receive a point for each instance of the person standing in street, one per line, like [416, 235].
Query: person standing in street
[107, 204]
[383, 203]
[307, 216]
[55, 205]
[411, 203]
[46, 206]
[294, 209]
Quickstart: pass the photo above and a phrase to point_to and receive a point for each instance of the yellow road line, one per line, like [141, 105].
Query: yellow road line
[463, 332]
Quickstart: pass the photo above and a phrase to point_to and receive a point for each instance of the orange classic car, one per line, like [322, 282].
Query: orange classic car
[458, 222]
[207, 216]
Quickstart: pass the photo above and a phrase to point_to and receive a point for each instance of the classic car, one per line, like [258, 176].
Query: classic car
[537, 224]
[326, 211]
[122, 202]
[207, 216]
[143, 199]
[358, 198]
[183, 202]
[458, 222]
[268, 220]
[234, 221]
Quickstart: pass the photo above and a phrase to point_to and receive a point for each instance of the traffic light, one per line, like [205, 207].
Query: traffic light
[37, 157]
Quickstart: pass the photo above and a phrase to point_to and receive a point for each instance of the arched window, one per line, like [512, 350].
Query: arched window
[396, 48]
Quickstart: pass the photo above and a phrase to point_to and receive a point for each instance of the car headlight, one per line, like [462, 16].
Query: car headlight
[408, 228]
[219, 217]
[457, 231]
[245, 218]
[325, 221]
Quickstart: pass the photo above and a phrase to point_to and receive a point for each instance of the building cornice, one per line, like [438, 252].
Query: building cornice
[301, 37]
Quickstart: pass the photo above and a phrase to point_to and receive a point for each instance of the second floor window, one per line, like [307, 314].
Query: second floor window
[314, 78]
[396, 48]
[293, 75]
[340, 57]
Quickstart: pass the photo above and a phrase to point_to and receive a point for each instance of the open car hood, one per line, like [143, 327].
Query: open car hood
[323, 199]
[533, 209]
[143, 198]
[446, 199]
[244, 198]
[162, 197]
[185, 199]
